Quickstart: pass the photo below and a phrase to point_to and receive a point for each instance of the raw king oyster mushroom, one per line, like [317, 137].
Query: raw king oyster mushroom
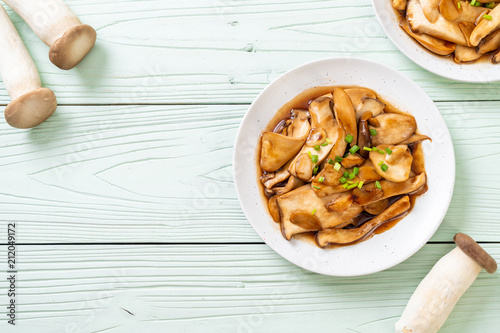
[341, 169]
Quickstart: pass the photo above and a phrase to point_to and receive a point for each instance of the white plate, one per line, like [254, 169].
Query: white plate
[384, 250]
[482, 71]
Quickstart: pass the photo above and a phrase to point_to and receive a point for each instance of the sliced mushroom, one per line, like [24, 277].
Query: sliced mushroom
[392, 128]
[398, 163]
[340, 202]
[369, 104]
[470, 13]
[485, 27]
[399, 4]
[415, 138]
[466, 54]
[345, 114]
[369, 193]
[418, 165]
[441, 28]
[272, 178]
[274, 210]
[277, 149]
[293, 183]
[352, 161]
[306, 221]
[495, 57]
[489, 43]
[377, 207]
[358, 94]
[302, 165]
[430, 8]
[433, 44]
[450, 9]
[348, 236]
[303, 199]
[467, 28]
[364, 136]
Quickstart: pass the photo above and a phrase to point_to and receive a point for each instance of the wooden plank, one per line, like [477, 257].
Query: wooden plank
[163, 174]
[219, 52]
[232, 288]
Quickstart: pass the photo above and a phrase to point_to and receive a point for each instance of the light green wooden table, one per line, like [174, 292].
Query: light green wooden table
[127, 218]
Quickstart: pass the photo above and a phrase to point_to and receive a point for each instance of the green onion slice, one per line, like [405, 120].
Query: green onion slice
[377, 184]
[373, 132]
[337, 166]
[348, 138]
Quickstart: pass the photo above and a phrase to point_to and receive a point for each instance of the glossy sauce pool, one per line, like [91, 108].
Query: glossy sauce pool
[302, 102]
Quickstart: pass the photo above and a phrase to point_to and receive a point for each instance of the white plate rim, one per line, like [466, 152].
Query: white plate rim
[481, 72]
[319, 260]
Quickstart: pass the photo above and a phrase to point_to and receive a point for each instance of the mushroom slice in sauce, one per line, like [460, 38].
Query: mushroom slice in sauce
[450, 9]
[340, 202]
[274, 210]
[304, 199]
[430, 9]
[305, 220]
[377, 207]
[392, 128]
[467, 28]
[293, 183]
[489, 43]
[358, 94]
[495, 57]
[272, 178]
[398, 162]
[277, 149]
[348, 236]
[415, 138]
[441, 28]
[302, 165]
[433, 44]
[370, 193]
[352, 161]
[364, 136]
[485, 27]
[345, 114]
[466, 54]
[369, 104]
[470, 13]
[399, 4]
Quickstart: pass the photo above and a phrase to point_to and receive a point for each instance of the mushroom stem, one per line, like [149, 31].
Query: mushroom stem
[437, 294]
[31, 104]
[58, 27]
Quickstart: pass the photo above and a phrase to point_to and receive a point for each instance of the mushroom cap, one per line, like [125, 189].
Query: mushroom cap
[67, 51]
[475, 252]
[31, 109]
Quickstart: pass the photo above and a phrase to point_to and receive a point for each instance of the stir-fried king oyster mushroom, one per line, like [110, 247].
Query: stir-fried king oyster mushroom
[58, 27]
[347, 175]
[31, 104]
[465, 29]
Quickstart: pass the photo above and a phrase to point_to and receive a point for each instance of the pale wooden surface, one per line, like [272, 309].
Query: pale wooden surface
[140, 151]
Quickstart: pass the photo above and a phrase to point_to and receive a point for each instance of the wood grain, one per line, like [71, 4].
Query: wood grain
[163, 174]
[153, 51]
[232, 288]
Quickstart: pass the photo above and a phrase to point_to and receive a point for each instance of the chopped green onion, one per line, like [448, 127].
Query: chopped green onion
[458, 5]
[380, 163]
[310, 155]
[355, 170]
[373, 132]
[337, 166]
[367, 148]
[350, 182]
[354, 149]
[324, 144]
[345, 185]
[342, 180]
[477, 4]
[330, 161]
[317, 187]
[360, 185]
[314, 211]
[377, 184]
[317, 147]
[346, 174]
[384, 167]
[315, 170]
[352, 186]
[321, 179]
[351, 176]
[328, 141]
[338, 159]
[314, 158]
[473, 2]
[490, 5]
[348, 138]
[389, 152]
[487, 17]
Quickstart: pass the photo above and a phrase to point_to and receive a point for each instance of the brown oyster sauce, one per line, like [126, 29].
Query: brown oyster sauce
[302, 101]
